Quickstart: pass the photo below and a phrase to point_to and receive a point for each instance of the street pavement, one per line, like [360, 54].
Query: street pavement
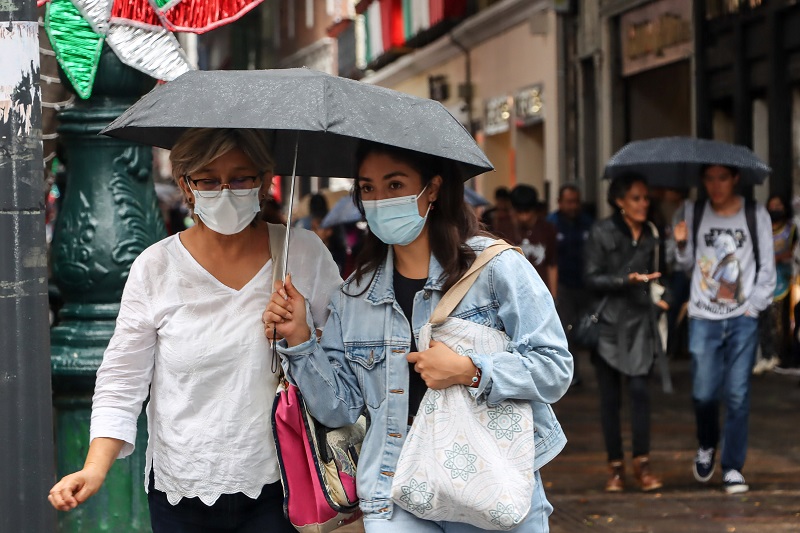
[574, 480]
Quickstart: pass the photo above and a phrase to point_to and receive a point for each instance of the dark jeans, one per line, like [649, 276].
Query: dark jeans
[679, 286]
[609, 381]
[569, 304]
[231, 513]
[773, 325]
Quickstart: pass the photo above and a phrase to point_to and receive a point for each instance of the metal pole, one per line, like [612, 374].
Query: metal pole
[26, 416]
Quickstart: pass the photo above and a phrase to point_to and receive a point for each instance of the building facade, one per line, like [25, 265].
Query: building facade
[494, 65]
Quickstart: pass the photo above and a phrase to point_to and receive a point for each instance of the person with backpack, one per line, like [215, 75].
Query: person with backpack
[726, 243]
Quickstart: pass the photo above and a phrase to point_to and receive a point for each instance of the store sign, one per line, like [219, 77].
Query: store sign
[498, 115]
[528, 106]
[656, 34]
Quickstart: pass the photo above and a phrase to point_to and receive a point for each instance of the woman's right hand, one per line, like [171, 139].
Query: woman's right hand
[76, 488]
[286, 314]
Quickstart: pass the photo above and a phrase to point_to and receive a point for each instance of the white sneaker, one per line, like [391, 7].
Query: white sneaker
[772, 362]
[734, 482]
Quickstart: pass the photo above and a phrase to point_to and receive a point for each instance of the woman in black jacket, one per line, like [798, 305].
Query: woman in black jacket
[619, 265]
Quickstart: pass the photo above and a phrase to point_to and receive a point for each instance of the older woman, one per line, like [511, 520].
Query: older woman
[190, 334]
[620, 265]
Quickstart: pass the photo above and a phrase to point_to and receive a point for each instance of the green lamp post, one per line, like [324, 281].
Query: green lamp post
[109, 215]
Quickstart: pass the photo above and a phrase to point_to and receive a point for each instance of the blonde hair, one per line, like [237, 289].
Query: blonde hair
[197, 147]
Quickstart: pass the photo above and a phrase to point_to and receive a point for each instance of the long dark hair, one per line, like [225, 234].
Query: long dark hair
[450, 221]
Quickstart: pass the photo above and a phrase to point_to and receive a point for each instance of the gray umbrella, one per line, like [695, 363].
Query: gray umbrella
[328, 114]
[677, 161]
[317, 120]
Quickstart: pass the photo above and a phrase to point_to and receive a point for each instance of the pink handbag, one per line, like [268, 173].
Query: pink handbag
[317, 464]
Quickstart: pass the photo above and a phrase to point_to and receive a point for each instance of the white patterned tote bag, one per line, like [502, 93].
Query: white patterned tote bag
[463, 461]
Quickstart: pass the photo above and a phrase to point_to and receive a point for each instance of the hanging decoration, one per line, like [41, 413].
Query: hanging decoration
[75, 43]
[138, 31]
[200, 16]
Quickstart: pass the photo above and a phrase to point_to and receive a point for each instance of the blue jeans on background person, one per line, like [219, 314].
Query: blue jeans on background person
[723, 353]
[402, 521]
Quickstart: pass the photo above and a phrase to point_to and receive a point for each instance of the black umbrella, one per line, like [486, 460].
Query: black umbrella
[677, 161]
[317, 119]
[328, 114]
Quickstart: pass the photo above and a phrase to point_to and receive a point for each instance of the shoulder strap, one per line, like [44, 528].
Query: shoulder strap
[750, 216]
[699, 209]
[453, 297]
[277, 238]
[657, 237]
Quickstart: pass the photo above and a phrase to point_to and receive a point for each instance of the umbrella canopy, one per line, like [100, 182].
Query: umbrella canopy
[473, 198]
[677, 161]
[324, 116]
[343, 212]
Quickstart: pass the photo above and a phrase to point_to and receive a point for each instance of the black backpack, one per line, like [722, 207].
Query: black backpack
[750, 217]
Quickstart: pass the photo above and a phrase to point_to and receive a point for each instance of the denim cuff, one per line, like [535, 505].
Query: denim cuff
[305, 348]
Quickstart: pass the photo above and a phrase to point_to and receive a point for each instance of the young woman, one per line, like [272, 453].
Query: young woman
[619, 264]
[422, 239]
[189, 334]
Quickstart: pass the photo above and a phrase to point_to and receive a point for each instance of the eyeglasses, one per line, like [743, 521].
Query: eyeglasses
[212, 187]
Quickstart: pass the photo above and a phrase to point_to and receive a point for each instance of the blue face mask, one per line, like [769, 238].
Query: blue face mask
[395, 220]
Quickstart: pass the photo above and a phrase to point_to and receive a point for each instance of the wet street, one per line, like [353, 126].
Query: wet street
[576, 477]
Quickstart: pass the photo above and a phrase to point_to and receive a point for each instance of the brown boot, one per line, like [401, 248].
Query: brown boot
[644, 477]
[616, 477]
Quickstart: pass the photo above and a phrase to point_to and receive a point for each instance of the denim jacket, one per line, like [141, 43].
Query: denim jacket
[360, 361]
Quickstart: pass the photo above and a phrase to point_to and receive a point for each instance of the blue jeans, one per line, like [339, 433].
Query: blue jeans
[723, 353]
[402, 521]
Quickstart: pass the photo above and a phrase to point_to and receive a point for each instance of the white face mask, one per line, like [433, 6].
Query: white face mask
[227, 213]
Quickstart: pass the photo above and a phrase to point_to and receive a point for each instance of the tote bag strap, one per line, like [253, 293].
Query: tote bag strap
[453, 297]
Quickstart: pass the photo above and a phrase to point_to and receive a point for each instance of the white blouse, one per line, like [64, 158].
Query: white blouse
[198, 348]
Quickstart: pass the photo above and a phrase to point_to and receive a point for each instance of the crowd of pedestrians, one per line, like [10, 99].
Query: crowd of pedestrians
[728, 267]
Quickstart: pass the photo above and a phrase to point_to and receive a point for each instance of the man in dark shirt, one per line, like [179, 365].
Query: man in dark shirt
[572, 229]
[535, 235]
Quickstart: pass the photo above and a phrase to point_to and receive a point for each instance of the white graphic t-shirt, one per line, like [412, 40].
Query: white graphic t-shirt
[724, 275]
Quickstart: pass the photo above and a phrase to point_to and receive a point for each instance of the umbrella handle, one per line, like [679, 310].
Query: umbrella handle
[285, 265]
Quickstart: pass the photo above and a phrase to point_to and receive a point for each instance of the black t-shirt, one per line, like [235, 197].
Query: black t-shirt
[404, 291]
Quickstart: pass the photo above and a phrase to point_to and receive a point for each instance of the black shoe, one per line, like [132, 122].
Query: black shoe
[704, 464]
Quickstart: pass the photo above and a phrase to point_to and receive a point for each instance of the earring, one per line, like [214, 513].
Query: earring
[621, 211]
